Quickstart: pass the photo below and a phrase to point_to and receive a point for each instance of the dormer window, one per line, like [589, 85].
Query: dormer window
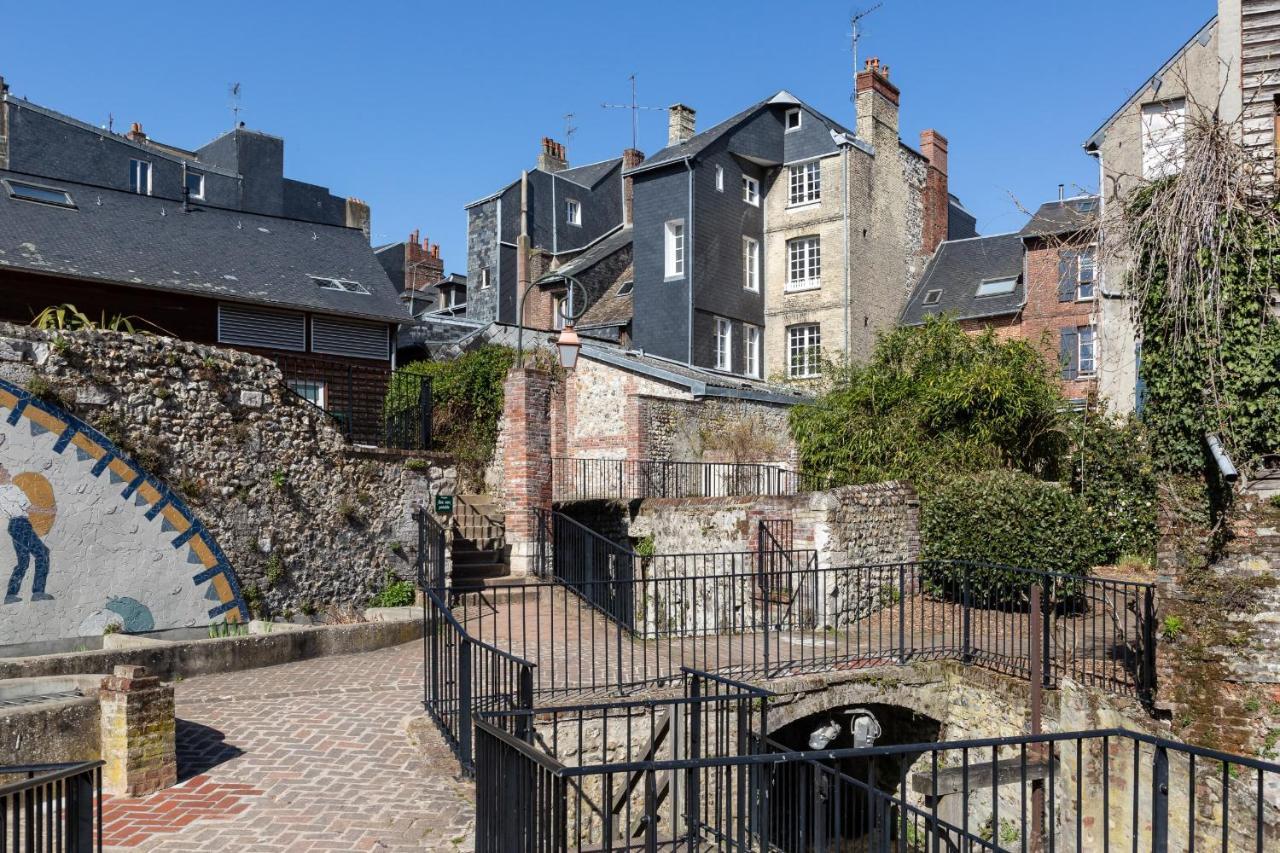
[932, 297]
[573, 212]
[140, 177]
[38, 193]
[793, 119]
[195, 185]
[339, 284]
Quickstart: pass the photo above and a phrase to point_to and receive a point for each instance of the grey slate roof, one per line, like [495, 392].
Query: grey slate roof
[603, 248]
[612, 310]
[699, 382]
[1063, 217]
[957, 268]
[696, 144]
[590, 174]
[147, 242]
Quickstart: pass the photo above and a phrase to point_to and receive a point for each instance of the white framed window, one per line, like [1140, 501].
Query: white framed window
[1163, 138]
[724, 344]
[1086, 274]
[720, 179]
[804, 263]
[751, 349]
[557, 311]
[751, 264]
[485, 281]
[340, 284]
[140, 177]
[195, 185]
[804, 351]
[992, 287]
[572, 212]
[750, 190]
[314, 391]
[675, 248]
[806, 183]
[1087, 357]
[793, 119]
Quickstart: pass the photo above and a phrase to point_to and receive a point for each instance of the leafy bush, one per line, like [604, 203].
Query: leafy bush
[1111, 470]
[396, 593]
[467, 402]
[1001, 519]
[934, 401]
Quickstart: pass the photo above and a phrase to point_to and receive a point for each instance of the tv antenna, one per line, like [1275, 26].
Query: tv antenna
[635, 111]
[569, 129]
[855, 33]
[236, 108]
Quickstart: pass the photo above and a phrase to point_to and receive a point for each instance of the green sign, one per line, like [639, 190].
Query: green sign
[444, 504]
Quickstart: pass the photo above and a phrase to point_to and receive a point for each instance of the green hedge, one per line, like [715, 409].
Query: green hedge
[1008, 519]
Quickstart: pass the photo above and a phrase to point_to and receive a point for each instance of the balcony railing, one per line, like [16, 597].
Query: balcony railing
[630, 479]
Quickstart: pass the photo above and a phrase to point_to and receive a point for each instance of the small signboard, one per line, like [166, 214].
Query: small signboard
[444, 504]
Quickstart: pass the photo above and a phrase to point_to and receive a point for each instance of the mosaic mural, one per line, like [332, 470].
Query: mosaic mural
[90, 540]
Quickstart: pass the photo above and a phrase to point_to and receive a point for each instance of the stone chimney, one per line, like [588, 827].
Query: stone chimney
[630, 159]
[423, 266]
[552, 158]
[135, 133]
[877, 101]
[680, 123]
[937, 201]
[4, 126]
[357, 215]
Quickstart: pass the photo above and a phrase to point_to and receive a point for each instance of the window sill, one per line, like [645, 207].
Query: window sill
[746, 289]
[679, 277]
[804, 205]
[755, 203]
[802, 287]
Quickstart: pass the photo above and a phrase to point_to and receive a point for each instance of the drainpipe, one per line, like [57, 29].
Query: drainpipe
[688, 259]
[522, 261]
[844, 203]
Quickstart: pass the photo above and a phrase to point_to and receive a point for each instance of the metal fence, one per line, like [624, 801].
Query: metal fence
[432, 548]
[370, 405]
[629, 479]
[51, 808]
[1084, 791]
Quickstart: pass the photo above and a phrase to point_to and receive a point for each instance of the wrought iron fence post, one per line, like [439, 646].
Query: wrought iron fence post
[902, 614]
[464, 705]
[524, 702]
[1160, 801]
[80, 812]
[1148, 634]
[1046, 629]
[424, 413]
[762, 574]
[692, 794]
[966, 605]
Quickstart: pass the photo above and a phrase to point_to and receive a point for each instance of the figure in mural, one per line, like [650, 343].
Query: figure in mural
[27, 504]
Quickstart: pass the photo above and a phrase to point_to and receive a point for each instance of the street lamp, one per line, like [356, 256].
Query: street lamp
[568, 343]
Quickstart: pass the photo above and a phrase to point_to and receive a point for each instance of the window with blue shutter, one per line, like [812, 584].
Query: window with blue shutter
[1070, 353]
[1068, 275]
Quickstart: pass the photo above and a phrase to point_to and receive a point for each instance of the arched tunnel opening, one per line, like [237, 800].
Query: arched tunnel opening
[812, 806]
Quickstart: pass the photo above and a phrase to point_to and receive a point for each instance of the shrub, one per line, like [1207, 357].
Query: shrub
[1110, 468]
[467, 402]
[934, 401]
[396, 593]
[1005, 519]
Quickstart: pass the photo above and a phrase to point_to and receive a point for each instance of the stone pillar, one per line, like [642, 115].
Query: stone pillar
[526, 460]
[138, 727]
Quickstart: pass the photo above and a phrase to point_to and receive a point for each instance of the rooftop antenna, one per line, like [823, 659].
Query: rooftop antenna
[635, 111]
[236, 108]
[855, 33]
[569, 130]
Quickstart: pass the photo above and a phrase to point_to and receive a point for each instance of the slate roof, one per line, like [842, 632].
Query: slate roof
[956, 270]
[609, 311]
[699, 382]
[147, 242]
[697, 143]
[597, 252]
[590, 174]
[1063, 217]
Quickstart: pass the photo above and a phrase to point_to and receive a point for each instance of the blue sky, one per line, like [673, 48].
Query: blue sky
[419, 108]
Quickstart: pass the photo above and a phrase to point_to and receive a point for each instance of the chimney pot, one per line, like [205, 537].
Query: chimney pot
[1062, 191]
[552, 158]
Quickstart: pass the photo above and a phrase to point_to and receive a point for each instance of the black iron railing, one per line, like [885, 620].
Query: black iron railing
[407, 412]
[432, 548]
[463, 677]
[629, 479]
[1084, 791]
[371, 405]
[51, 808]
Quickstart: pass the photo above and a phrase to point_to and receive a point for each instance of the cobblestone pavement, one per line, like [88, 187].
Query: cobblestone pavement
[309, 756]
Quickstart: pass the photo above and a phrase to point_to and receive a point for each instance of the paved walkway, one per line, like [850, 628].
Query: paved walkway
[305, 756]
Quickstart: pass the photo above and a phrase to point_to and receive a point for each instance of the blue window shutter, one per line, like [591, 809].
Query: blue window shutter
[1070, 353]
[1068, 273]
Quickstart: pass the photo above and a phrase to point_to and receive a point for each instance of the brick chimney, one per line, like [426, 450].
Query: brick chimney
[937, 203]
[877, 100]
[630, 159]
[422, 264]
[135, 133]
[552, 158]
[680, 123]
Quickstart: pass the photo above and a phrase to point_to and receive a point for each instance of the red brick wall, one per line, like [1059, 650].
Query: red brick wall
[527, 412]
[1044, 316]
[936, 200]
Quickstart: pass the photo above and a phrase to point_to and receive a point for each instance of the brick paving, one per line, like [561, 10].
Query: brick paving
[306, 756]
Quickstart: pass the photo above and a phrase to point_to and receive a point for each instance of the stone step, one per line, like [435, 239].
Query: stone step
[470, 557]
[480, 584]
[479, 571]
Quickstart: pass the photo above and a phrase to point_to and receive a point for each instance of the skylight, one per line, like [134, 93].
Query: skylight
[1088, 205]
[627, 287]
[932, 297]
[38, 193]
[339, 284]
[997, 286]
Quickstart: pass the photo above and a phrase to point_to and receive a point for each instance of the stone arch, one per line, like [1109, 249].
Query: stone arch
[94, 538]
